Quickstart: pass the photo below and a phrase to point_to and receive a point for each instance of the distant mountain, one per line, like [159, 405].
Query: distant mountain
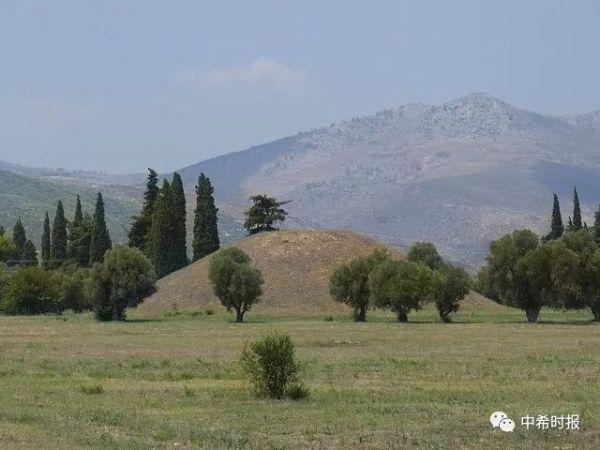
[29, 198]
[458, 174]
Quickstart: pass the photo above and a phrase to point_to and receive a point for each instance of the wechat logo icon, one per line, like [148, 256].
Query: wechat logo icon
[499, 419]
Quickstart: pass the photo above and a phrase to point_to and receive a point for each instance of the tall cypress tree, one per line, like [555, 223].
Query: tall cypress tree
[29, 257]
[556, 224]
[161, 249]
[178, 216]
[99, 237]
[46, 249]
[141, 225]
[19, 238]
[58, 247]
[206, 233]
[596, 227]
[577, 222]
[78, 249]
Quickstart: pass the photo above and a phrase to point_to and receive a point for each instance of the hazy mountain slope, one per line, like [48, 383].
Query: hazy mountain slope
[29, 198]
[459, 174]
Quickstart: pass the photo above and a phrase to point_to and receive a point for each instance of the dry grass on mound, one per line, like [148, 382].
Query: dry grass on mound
[295, 266]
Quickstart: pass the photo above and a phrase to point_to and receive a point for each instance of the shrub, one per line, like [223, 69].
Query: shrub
[32, 291]
[270, 365]
[92, 390]
[209, 312]
[298, 392]
[122, 281]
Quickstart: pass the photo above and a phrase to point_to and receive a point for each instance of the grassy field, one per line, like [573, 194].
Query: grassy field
[171, 382]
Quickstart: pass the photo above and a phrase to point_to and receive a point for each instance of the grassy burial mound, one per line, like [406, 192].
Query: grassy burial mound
[295, 266]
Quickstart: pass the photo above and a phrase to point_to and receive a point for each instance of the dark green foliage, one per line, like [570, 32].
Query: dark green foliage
[19, 238]
[235, 281]
[426, 253]
[270, 365]
[401, 286]
[349, 283]
[577, 222]
[161, 247]
[264, 212]
[32, 290]
[596, 227]
[72, 290]
[449, 286]
[46, 245]
[141, 225]
[122, 281]
[100, 241]
[178, 216]
[29, 255]
[2, 231]
[206, 233]
[556, 224]
[80, 229]
[58, 247]
[7, 249]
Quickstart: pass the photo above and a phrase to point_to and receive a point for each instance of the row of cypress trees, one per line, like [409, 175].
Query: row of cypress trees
[575, 222]
[83, 241]
[160, 228]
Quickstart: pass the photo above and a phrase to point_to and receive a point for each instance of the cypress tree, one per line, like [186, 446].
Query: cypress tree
[19, 239]
[577, 223]
[141, 225]
[29, 257]
[206, 233]
[46, 243]
[2, 231]
[78, 249]
[178, 216]
[160, 242]
[556, 225]
[58, 248]
[99, 237]
[596, 227]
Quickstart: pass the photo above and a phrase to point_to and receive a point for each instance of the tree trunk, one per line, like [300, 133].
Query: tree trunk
[360, 315]
[596, 312]
[532, 314]
[402, 317]
[239, 316]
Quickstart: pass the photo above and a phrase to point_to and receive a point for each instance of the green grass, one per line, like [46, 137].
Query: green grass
[172, 382]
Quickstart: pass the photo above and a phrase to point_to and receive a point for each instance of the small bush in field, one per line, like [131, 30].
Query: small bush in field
[92, 390]
[209, 312]
[270, 365]
[297, 391]
[328, 318]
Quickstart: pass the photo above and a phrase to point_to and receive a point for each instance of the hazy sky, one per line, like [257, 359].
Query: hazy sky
[122, 85]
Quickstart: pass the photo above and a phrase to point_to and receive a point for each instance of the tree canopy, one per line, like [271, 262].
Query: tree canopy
[263, 213]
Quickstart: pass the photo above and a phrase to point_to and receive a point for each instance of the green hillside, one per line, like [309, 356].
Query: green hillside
[30, 198]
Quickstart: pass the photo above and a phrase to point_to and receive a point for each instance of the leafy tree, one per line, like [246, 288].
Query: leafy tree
[235, 281]
[46, 245]
[556, 224]
[588, 271]
[401, 286]
[349, 283]
[449, 286]
[577, 222]
[100, 241]
[29, 256]
[58, 247]
[141, 225]
[263, 214]
[72, 290]
[426, 253]
[32, 290]
[7, 249]
[161, 248]
[178, 216]
[206, 233]
[19, 238]
[78, 247]
[270, 364]
[122, 281]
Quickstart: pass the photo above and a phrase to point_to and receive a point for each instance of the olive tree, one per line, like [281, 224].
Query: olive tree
[449, 285]
[401, 286]
[426, 253]
[349, 283]
[121, 281]
[235, 281]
